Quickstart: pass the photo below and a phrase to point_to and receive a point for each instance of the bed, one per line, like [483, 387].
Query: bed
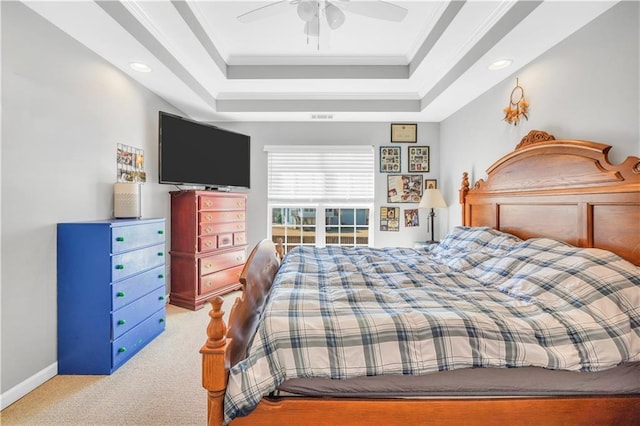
[547, 196]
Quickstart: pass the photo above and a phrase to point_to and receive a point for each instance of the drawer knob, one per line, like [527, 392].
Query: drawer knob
[208, 203]
[208, 243]
[160, 231]
[239, 258]
[207, 230]
[161, 320]
[161, 298]
[208, 217]
[239, 216]
[208, 265]
[119, 239]
[120, 294]
[119, 266]
[121, 322]
[160, 275]
[122, 349]
[160, 253]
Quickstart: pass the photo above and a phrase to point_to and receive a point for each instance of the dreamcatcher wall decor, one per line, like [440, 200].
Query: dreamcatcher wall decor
[518, 106]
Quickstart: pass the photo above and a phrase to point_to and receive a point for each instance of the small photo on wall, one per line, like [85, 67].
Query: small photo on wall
[411, 218]
[389, 218]
[419, 159]
[390, 159]
[430, 184]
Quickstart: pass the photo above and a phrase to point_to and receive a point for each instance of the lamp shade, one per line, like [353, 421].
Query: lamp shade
[307, 10]
[312, 28]
[335, 17]
[432, 199]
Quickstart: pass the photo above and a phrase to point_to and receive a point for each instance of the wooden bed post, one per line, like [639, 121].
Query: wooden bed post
[464, 190]
[214, 369]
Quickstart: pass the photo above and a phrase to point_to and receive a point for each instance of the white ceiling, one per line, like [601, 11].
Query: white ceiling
[213, 67]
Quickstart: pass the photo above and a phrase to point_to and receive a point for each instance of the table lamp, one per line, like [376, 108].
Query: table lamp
[432, 199]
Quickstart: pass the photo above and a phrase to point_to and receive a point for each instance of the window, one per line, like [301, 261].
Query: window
[321, 195]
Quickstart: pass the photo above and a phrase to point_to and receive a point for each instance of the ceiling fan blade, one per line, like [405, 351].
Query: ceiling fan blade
[376, 9]
[265, 11]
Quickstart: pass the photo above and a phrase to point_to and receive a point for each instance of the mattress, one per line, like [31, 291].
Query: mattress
[467, 382]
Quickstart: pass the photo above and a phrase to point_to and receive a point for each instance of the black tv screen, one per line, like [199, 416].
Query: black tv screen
[193, 153]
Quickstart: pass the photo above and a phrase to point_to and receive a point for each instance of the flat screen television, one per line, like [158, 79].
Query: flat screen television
[194, 153]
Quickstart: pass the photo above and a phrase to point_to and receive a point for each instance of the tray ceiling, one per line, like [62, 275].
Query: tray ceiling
[211, 66]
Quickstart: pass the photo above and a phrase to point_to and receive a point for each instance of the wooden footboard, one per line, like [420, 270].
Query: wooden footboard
[226, 346]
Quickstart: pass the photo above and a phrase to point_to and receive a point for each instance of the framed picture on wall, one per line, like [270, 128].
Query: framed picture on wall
[404, 188]
[390, 159]
[430, 184]
[411, 218]
[419, 159]
[389, 218]
[404, 132]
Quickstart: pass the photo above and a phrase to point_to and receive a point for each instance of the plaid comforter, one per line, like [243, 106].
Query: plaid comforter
[480, 298]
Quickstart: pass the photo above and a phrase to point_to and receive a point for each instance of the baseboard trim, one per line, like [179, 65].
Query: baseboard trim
[21, 389]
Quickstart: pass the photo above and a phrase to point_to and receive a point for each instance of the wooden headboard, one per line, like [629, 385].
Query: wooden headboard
[563, 189]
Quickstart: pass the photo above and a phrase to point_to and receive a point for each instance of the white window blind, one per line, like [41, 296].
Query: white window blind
[320, 173]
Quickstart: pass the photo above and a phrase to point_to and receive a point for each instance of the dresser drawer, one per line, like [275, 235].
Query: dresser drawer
[126, 318]
[207, 243]
[212, 282]
[124, 238]
[239, 238]
[132, 262]
[130, 289]
[130, 343]
[221, 217]
[220, 203]
[220, 228]
[221, 261]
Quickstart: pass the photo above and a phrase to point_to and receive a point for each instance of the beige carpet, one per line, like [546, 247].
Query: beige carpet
[161, 385]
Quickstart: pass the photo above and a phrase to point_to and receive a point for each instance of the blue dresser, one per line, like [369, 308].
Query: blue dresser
[111, 292]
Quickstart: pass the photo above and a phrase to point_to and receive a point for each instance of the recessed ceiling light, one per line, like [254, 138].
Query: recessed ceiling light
[499, 64]
[139, 66]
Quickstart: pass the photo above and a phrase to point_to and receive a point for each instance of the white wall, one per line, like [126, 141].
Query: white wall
[64, 110]
[586, 87]
[327, 133]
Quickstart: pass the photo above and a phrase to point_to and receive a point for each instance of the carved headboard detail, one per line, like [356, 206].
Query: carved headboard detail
[564, 189]
[533, 137]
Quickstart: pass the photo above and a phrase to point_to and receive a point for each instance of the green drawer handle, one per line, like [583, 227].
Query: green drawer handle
[161, 232]
[120, 239]
[161, 276]
[120, 294]
[160, 254]
[161, 298]
[122, 349]
[119, 266]
[121, 322]
[161, 319]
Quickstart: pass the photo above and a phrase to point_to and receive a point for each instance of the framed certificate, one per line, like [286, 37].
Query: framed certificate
[404, 132]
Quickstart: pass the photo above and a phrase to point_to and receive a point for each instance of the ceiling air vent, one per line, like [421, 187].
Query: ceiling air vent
[322, 116]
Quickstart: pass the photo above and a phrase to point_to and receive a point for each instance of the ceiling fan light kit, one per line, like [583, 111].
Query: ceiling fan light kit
[311, 10]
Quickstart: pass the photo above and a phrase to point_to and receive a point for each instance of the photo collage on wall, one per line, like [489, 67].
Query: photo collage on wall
[404, 188]
[130, 164]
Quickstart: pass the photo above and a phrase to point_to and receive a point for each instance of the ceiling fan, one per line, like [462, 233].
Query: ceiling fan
[315, 12]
